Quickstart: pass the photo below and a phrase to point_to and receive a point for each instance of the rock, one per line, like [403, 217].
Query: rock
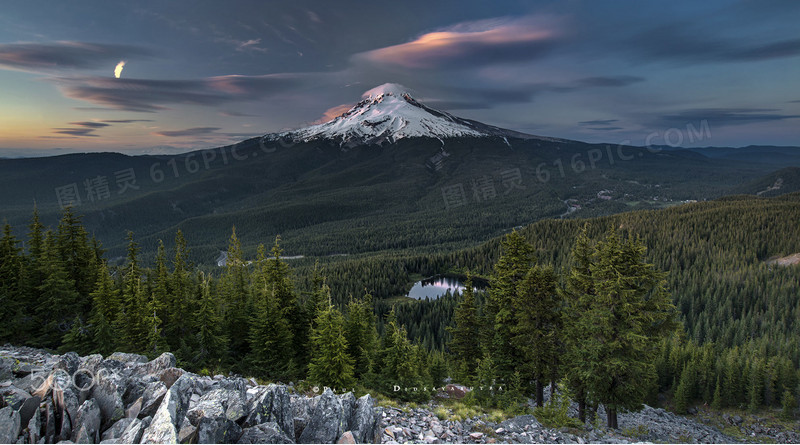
[456, 391]
[133, 411]
[187, 432]
[347, 438]
[151, 398]
[211, 404]
[127, 358]
[164, 427]
[365, 424]
[68, 362]
[324, 426]
[134, 432]
[692, 411]
[348, 410]
[272, 405]
[87, 425]
[170, 375]
[108, 395]
[13, 396]
[269, 432]
[736, 420]
[155, 366]
[218, 430]
[9, 425]
[476, 435]
[35, 427]
[117, 429]
[518, 424]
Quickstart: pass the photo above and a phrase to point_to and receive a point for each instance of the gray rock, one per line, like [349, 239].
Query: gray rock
[9, 425]
[155, 366]
[170, 375]
[133, 433]
[347, 438]
[365, 423]
[187, 432]
[348, 410]
[13, 396]
[127, 358]
[269, 432]
[108, 395]
[164, 427]
[68, 362]
[324, 425]
[518, 424]
[272, 405]
[212, 404]
[117, 429]
[35, 427]
[134, 410]
[87, 426]
[151, 398]
[218, 430]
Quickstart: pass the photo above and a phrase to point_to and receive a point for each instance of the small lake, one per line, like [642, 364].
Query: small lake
[437, 286]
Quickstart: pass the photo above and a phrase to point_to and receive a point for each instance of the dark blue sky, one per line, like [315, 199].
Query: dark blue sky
[199, 74]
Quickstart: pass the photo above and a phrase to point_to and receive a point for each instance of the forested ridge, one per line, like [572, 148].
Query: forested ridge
[735, 343]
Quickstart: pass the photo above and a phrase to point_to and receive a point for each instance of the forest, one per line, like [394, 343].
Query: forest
[612, 311]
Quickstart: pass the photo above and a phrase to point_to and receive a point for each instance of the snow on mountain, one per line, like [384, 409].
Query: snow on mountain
[388, 113]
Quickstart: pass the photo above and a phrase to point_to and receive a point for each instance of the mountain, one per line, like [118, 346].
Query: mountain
[389, 175]
[387, 114]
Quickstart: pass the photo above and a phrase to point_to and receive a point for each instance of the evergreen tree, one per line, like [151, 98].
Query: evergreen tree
[627, 315]
[11, 299]
[538, 305]
[330, 364]
[105, 303]
[59, 298]
[78, 338]
[789, 405]
[270, 335]
[515, 261]
[464, 336]
[181, 301]
[236, 295]
[211, 338]
[361, 334]
[128, 321]
[717, 402]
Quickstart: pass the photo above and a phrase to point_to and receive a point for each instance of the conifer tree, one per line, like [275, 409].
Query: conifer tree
[270, 335]
[78, 338]
[330, 363]
[464, 336]
[59, 298]
[716, 403]
[234, 287]
[211, 339]
[515, 261]
[537, 333]
[788, 405]
[11, 299]
[361, 334]
[105, 303]
[180, 304]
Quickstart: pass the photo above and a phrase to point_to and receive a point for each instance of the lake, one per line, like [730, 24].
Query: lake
[437, 286]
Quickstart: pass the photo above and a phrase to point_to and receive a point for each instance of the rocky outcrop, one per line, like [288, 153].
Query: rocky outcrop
[124, 398]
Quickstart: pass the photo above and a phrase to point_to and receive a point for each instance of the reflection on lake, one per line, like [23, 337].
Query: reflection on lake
[435, 287]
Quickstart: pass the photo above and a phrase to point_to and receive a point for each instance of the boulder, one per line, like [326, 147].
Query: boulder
[133, 433]
[155, 366]
[69, 362]
[187, 433]
[151, 398]
[218, 430]
[348, 410]
[35, 427]
[456, 391]
[269, 432]
[125, 357]
[170, 375]
[168, 417]
[365, 423]
[134, 409]
[117, 429]
[13, 396]
[108, 395]
[87, 425]
[9, 425]
[324, 425]
[272, 405]
[518, 424]
[347, 438]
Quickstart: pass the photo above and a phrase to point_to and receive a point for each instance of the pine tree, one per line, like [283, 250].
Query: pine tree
[234, 287]
[78, 257]
[105, 303]
[270, 335]
[620, 324]
[755, 392]
[330, 364]
[210, 335]
[684, 394]
[128, 320]
[11, 299]
[789, 405]
[181, 301]
[58, 295]
[515, 261]
[717, 402]
[361, 334]
[463, 344]
[536, 335]
[78, 338]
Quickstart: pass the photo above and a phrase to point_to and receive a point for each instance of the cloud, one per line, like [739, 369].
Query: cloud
[333, 113]
[91, 124]
[608, 81]
[148, 95]
[604, 128]
[684, 43]
[598, 122]
[125, 121]
[77, 132]
[196, 131]
[38, 57]
[471, 44]
[230, 113]
[721, 117]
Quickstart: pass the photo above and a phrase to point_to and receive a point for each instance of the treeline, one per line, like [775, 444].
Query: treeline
[59, 293]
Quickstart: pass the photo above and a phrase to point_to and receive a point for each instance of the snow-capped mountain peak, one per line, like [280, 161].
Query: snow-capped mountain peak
[388, 113]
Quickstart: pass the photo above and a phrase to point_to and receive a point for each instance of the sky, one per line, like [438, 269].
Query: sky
[165, 77]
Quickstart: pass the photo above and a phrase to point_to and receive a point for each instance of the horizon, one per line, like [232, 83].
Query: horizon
[170, 79]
